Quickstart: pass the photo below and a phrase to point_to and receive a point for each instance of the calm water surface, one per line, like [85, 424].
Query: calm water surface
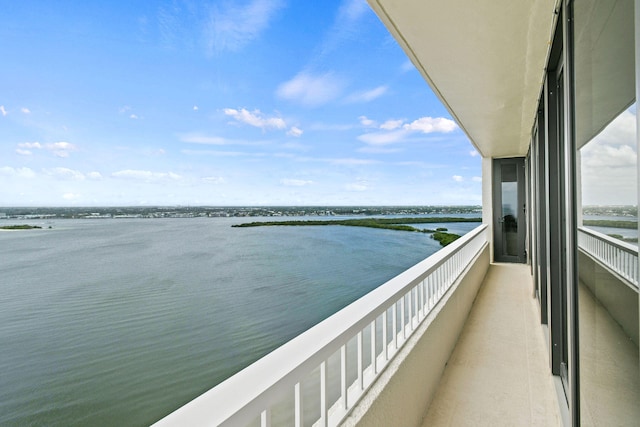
[121, 321]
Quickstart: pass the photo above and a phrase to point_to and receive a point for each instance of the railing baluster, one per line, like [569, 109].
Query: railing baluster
[374, 366]
[421, 301]
[343, 377]
[402, 320]
[324, 395]
[298, 409]
[394, 322]
[265, 418]
[431, 291]
[360, 367]
[411, 310]
[384, 336]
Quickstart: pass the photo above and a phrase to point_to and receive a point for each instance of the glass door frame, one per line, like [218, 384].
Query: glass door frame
[500, 253]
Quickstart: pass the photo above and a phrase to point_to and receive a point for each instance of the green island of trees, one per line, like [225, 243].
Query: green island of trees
[19, 227]
[440, 234]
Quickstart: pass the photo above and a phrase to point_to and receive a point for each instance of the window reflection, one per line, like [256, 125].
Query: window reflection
[609, 163]
[605, 129]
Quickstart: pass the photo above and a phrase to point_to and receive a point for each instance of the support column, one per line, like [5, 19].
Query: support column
[487, 199]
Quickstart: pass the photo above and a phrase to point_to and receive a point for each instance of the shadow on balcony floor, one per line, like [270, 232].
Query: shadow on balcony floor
[498, 373]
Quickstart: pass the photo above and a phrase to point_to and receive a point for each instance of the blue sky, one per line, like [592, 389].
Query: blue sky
[252, 102]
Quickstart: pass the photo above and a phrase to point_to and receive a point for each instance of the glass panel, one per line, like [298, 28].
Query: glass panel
[510, 209]
[606, 160]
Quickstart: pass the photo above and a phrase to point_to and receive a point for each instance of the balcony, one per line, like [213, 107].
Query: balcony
[453, 340]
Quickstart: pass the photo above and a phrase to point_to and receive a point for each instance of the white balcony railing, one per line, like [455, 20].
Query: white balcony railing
[319, 376]
[619, 257]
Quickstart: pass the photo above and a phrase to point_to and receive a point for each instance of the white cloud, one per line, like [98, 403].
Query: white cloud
[214, 180]
[350, 12]
[295, 131]
[255, 118]
[133, 116]
[230, 27]
[221, 153]
[476, 179]
[2, 110]
[195, 108]
[431, 124]
[609, 175]
[292, 145]
[65, 173]
[391, 124]
[94, 175]
[609, 164]
[368, 95]
[295, 182]
[25, 110]
[620, 131]
[338, 161]
[614, 147]
[345, 25]
[30, 145]
[24, 148]
[60, 149]
[607, 156]
[394, 131]
[331, 127]
[382, 138]
[364, 121]
[71, 196]
[377, 150]
[143, 175]
[418, 164]
[351, 162]
[196, 138]
[357, 186]
[311, 90]
[407, 66]
[474, 153]
[18, 172]
[457, 178]
[124, 109]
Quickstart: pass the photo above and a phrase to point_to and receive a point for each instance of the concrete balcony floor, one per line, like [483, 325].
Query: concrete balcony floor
[498, 373]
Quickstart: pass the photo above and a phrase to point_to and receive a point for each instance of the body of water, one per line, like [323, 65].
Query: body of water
[624, 232]
[121, 321]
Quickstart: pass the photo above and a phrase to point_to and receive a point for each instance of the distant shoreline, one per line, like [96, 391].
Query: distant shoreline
[631, 225]
[439, 234]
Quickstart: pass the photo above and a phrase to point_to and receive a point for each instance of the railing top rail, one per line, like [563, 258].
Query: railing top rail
[627, 247]
[255, 385]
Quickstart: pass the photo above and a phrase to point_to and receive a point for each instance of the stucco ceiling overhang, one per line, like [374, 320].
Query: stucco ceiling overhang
[484, 59]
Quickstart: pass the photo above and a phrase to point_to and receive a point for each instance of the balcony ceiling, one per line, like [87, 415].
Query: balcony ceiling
[485, 59]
